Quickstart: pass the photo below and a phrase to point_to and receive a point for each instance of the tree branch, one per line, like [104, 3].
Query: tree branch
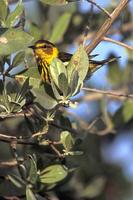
[11, 163]
[99, 7]
[110, 93]
[13, 115]
[128, 27]
[98, 37]
[118, 43]
[9, 139]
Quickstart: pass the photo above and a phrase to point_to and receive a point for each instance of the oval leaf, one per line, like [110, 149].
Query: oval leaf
[79, 63]
[3, 11]
[53, 174]
[32, 72]
[33, 171]
[41, 94]
[29, 194]
[67, 140]
[16, 180]
[13, 16]
[127, 111]
[34, 82]
[56, 68]
[60, 27]
[14, 40]
[63, 84]
[19, 58]
[44, 99]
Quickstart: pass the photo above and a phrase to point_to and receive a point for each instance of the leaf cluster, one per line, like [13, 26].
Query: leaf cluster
[54, 139]
[21, 91]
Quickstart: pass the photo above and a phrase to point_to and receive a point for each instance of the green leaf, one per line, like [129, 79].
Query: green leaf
[67, 140]
[56, 92]
[25, 88]
[32, 72]
[75, 153]
[29, 194]
[60, 27]
[74, 82]
[33, 171]
[33, 30]
[127, 111]
[16, 180]
[79, 63]
[13, 16]
[3, 11]
[41, 93]
[63, 84]
[18, 58]
[14, 40]
[14, 96]
[123, 115]
[3, 108]
[54, 2]
[56, 68]
[59, 80]
[15, 107]
[53, 174]
[34, 82]
[115, 74]
[44, 98]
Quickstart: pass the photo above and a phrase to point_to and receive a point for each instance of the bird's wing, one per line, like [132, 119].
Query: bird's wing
[95, 65]
[64, 57]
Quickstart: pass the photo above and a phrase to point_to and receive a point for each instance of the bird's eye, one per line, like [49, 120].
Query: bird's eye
[45, 46]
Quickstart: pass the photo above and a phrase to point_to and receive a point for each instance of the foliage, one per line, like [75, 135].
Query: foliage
[54, 151]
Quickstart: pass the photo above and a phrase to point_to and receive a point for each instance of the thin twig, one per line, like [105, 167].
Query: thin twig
[99, 7]
[39, 133]
[11, 198]
[97, 38]
[112, 93]
[97, 96]
[9, 139]
[14, 152]
[13, 115]
[128, 27]
[12, 163]
[103, 132]
[56, 151]
[118, 43]
[92, 124]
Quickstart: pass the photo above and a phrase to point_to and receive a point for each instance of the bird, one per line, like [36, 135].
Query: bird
[45, 51]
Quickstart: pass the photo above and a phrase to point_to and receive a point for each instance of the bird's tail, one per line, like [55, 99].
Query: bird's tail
[95, 65]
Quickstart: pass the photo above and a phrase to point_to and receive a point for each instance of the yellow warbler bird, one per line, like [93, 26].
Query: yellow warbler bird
[46, 51]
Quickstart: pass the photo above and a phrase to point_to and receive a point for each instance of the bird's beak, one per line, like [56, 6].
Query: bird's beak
[31, 47]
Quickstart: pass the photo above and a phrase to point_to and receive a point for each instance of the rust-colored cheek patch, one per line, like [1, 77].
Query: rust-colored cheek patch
[48, 51]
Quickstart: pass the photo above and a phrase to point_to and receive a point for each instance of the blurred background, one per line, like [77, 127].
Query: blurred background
[104, 123]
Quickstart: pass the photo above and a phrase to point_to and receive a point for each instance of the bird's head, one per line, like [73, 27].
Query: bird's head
[45, 50]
